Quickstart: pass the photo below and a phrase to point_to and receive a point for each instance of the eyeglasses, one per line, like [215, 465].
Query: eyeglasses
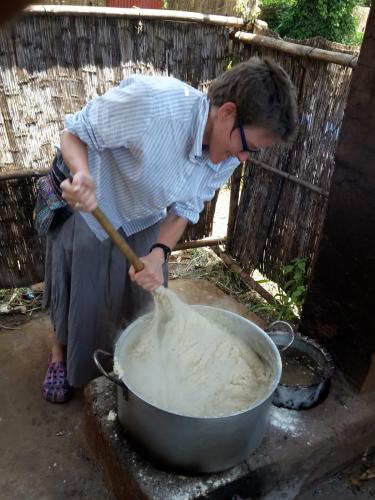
[245, 146]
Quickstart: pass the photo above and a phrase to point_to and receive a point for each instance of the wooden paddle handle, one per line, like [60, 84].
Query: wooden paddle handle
[117, 239]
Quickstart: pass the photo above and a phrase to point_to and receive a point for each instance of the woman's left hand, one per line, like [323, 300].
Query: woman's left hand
[151, 276]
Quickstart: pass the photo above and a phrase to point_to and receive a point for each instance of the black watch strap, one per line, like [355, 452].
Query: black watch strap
[167, 251]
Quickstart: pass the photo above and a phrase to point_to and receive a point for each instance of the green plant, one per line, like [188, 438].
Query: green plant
[355, 39]
[295, 286]
[300, 19]
[273, 11]
[290, 296]
[330, 19]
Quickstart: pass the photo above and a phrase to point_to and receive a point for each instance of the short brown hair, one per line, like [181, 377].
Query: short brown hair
[263, 93]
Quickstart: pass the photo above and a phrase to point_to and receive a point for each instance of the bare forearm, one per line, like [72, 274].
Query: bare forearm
[171, 230]
[74, 152]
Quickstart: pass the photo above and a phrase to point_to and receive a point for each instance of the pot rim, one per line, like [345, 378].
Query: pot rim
[270, 391]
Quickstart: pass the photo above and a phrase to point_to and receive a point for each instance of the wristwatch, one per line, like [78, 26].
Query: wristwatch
[167, 251]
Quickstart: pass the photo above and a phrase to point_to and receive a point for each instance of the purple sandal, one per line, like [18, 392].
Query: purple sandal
[56, 388]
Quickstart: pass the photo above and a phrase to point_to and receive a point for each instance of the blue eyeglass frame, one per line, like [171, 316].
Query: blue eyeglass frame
[245, 146]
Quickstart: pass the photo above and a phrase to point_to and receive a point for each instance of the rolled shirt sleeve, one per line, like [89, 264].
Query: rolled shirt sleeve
[186, 211]
[191, 208]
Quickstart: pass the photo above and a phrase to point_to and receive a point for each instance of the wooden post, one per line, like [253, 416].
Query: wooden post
[235, 185]
[137, 13]
[207, 242]
[339, 308]
[22, 174]
[297, 49]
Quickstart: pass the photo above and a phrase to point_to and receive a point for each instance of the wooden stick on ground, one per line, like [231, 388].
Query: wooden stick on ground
[9, 327]
[236, 269]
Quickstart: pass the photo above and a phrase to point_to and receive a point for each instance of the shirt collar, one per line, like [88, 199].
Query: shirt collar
[198, 126]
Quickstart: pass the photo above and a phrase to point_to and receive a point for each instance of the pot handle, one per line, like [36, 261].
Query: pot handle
[117, 381]
[284, 327]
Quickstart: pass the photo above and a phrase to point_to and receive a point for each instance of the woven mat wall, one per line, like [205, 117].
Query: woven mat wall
[277, 219]
[52, 65]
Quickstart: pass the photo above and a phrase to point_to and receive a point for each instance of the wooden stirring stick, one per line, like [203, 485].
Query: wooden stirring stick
[117, 239]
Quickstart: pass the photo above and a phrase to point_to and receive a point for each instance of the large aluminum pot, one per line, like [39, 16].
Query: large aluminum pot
[197, 444]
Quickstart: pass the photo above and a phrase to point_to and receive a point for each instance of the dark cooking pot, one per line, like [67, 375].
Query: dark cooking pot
[303, 394]
[197, 444]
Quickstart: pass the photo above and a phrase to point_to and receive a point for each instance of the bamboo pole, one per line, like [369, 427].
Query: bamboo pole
[22, 174]
[199, 243]
[235, 186]
[290, 177]
[167, 15]
[297, 49]
[183, 16]
[246, 278]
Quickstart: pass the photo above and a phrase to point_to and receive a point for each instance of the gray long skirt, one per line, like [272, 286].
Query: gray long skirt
[89, 293]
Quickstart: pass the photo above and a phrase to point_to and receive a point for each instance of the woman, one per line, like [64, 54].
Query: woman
[149, 152]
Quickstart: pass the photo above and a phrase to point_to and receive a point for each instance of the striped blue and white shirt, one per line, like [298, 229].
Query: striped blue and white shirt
[144, 142]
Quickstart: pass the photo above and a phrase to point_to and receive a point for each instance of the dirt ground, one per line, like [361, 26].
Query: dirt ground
[43, 456]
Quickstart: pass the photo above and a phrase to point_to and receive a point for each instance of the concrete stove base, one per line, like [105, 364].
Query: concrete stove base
[300, 448]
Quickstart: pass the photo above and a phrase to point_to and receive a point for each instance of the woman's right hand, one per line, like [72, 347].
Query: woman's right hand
[79, 192]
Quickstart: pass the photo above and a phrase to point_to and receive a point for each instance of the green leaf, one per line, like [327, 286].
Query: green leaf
[288, 283]
[288, 269]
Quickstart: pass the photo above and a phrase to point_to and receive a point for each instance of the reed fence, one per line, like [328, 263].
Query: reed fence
[283, 200]
[52, 62]
[56, 58]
